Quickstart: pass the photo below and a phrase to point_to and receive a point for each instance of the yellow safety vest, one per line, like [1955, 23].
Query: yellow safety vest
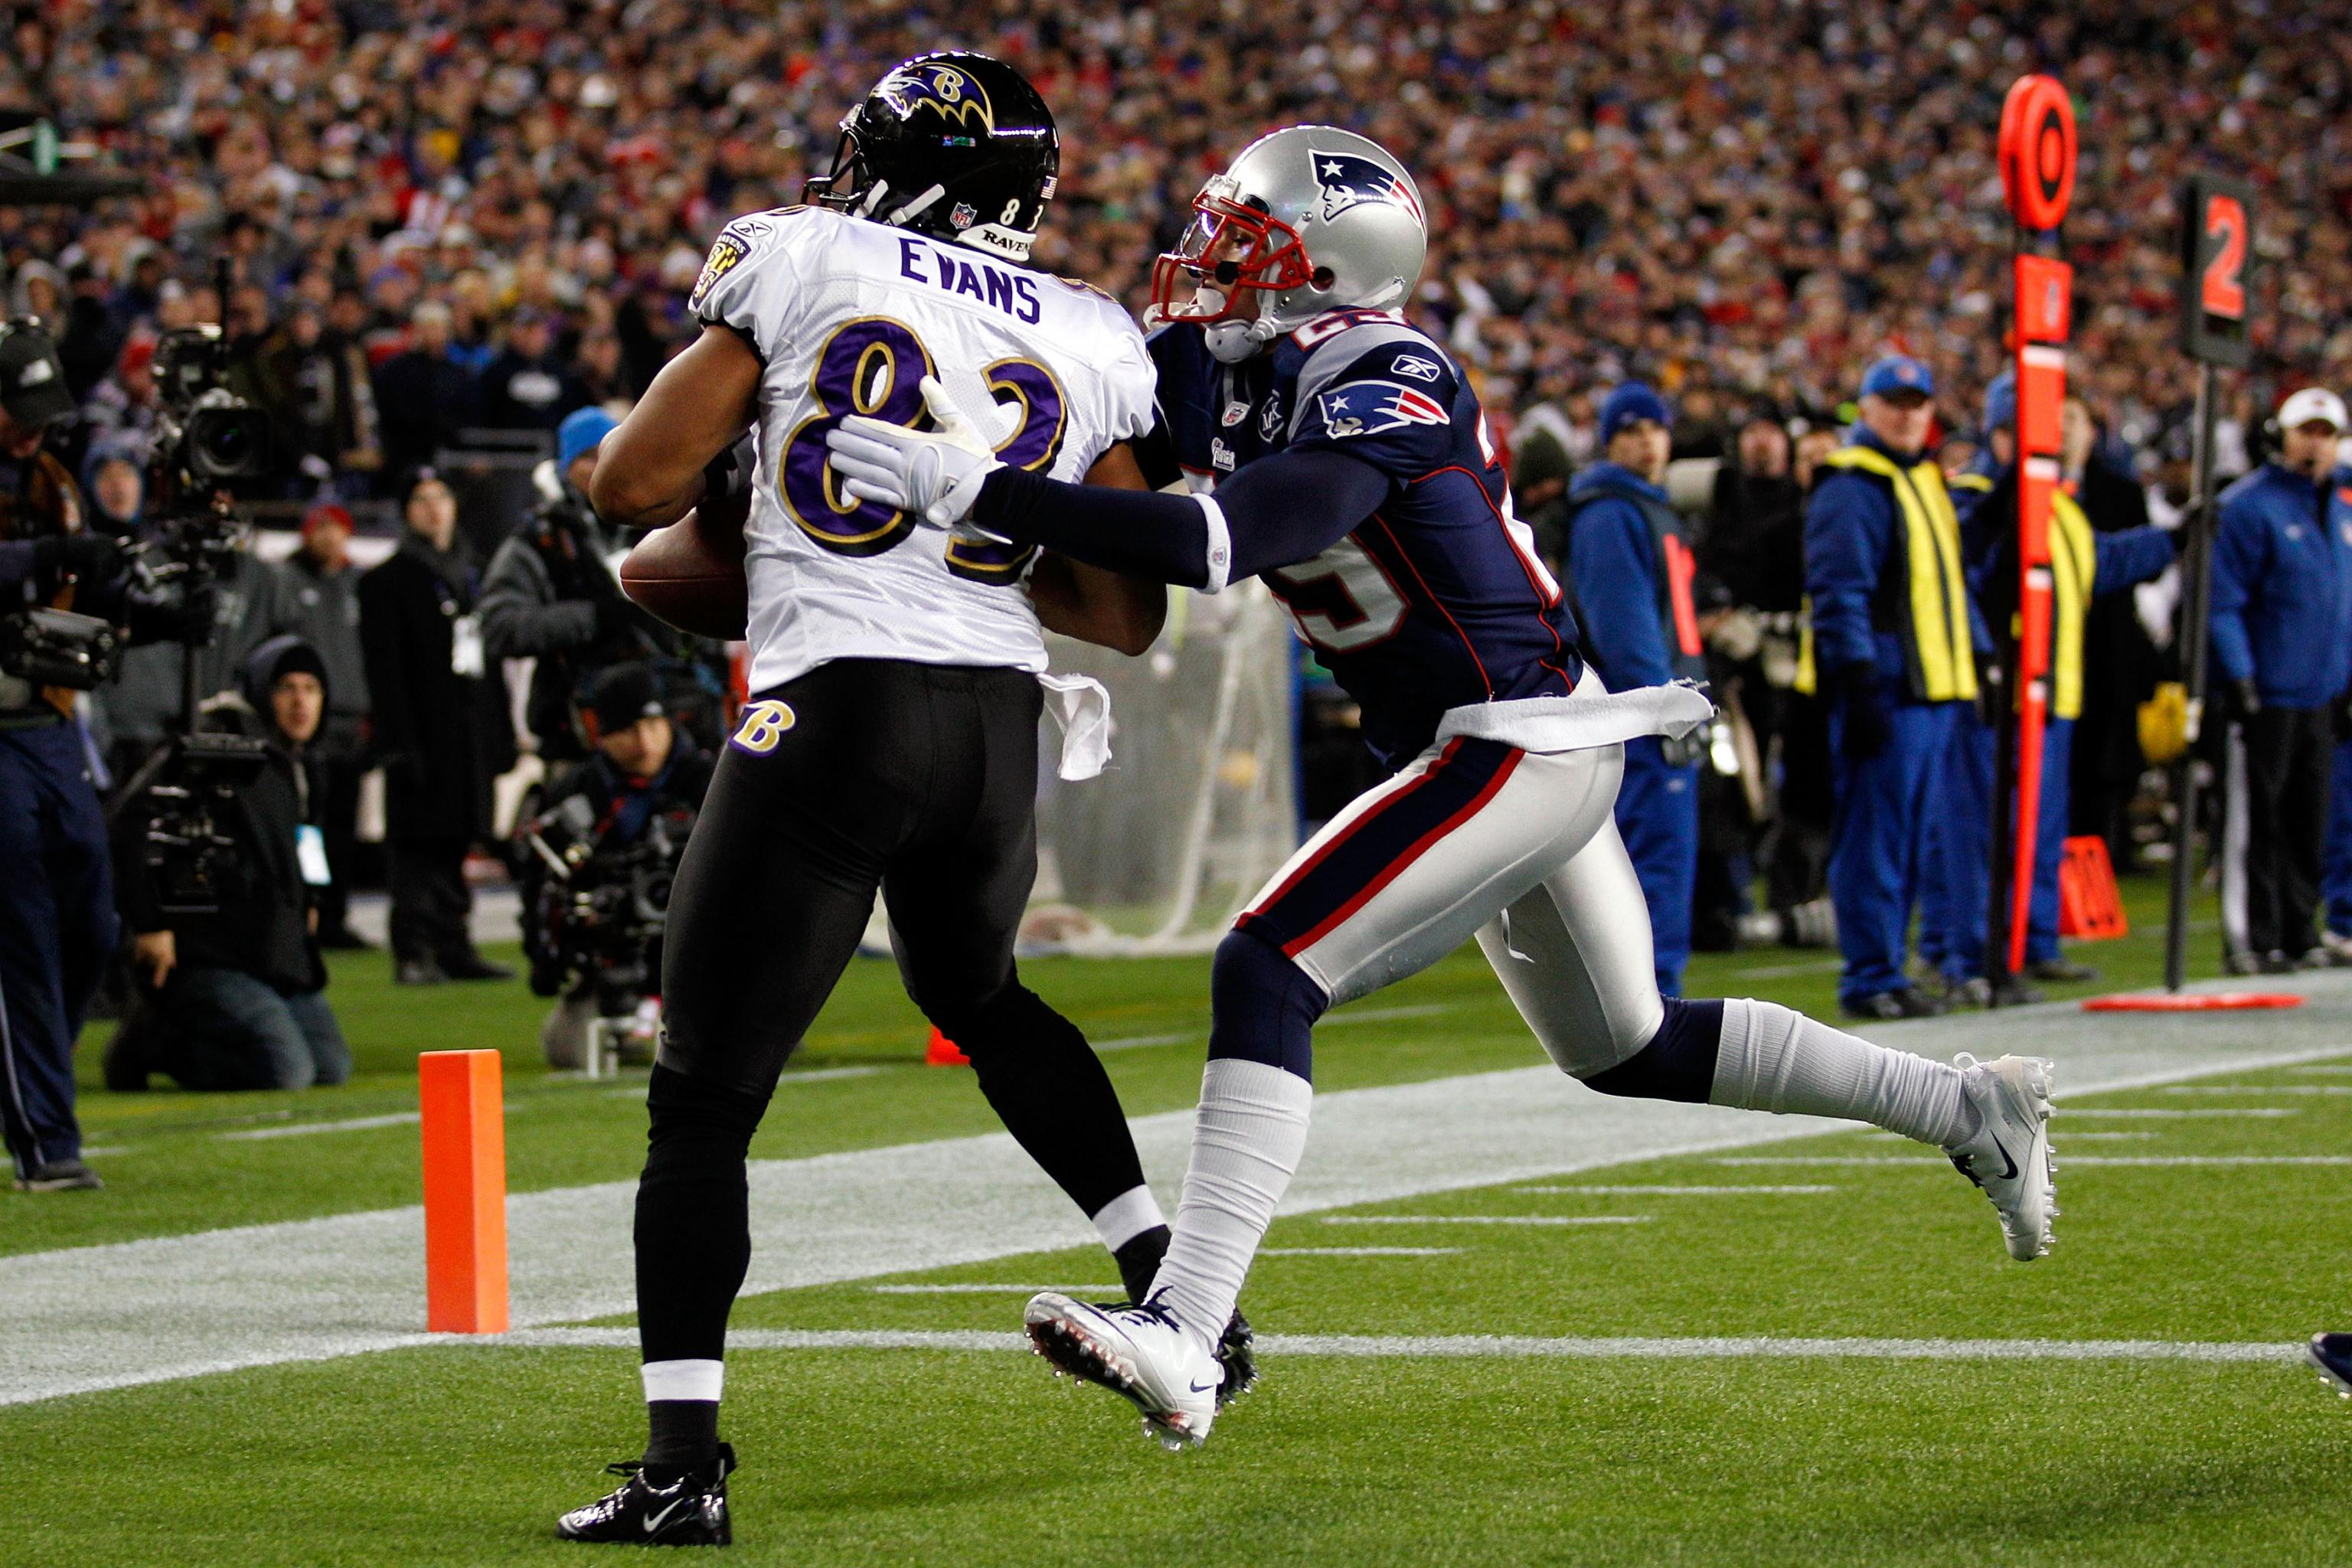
[2074, 567]
[1937, 651]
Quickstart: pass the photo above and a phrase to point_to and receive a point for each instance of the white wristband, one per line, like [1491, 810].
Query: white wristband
[1220, 552]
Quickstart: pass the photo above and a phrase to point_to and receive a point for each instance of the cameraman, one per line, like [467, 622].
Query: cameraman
[57, 906]
[549, 595]
[236, 996]
[645, 776]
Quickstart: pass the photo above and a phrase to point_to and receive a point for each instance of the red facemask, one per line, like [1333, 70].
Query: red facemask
[1230, 245]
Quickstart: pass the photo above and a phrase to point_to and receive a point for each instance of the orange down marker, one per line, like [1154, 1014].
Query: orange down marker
[464, 1135]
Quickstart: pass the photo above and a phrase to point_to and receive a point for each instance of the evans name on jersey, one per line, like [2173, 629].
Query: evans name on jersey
[848, 316]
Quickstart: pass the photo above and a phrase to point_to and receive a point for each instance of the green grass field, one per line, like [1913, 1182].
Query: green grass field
[461, 1453]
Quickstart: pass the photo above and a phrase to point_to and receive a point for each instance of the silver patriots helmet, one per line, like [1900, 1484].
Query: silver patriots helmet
[1307, 219]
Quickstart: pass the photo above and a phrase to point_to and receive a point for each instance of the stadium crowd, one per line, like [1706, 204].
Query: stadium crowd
[519, 192]
[444, 221]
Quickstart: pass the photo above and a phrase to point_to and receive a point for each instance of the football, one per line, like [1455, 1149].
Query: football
[690, 574]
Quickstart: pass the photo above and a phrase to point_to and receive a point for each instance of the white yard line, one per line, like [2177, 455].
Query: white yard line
[1136, 1042]
[1748, 1190]
[2067, 1162]
[309, 1129]
[1383, 1014]
[1507, 1347]
[172, 1307]
[1359, 1251]
[2259, 1089]
[2067, 1114]
[1790, 970]
[1487, 1219]
[1090, 1292]
[2068, 1135]
[814, 1075]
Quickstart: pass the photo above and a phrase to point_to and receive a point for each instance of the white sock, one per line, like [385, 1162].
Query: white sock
[1126, 1217]
[1775, 1058]
[699, 1380]
[1245, 1147]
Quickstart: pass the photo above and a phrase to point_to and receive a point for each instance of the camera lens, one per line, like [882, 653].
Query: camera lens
[227, 443]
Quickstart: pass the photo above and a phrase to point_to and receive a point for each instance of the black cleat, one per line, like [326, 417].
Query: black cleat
[689, 1511]
[2332, 1355]
[59, 1176]
[1888, 1005]
[473, 966]
[1237, 1353]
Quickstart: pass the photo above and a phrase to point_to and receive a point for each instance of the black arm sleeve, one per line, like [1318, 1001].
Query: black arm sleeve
[1287, 508]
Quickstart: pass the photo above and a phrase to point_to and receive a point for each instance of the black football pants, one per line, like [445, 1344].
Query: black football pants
[918, 779]
[2289, 751]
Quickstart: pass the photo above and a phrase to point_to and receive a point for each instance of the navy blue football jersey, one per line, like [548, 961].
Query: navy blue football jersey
[1439, 598]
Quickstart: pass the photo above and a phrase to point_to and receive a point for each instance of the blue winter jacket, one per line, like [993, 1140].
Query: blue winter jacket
[2282, 586]
[1850, 524]
[1613, 566]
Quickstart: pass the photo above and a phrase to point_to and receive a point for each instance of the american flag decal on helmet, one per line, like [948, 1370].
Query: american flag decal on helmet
[1347, 178]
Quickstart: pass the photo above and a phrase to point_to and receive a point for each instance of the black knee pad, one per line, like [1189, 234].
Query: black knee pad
[1263, 1006]
[1679, 1061]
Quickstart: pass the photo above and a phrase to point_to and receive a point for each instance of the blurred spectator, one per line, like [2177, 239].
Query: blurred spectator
[423, 395]
[120, 411]
[441, 731]
[1540, 469]
[1628, 560]
[116, 490]
[2281, 649]
[234, 999]
[315, 385]
[526, 387]
[2121, 666]
[1753, 546]
[327, 616]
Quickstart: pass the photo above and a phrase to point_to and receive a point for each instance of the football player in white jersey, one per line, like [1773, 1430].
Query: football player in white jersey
[892, 737]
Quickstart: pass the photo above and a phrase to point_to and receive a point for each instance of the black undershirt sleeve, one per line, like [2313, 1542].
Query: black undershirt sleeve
[1286, 508]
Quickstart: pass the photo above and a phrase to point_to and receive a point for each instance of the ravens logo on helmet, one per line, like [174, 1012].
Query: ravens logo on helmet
[956, 145]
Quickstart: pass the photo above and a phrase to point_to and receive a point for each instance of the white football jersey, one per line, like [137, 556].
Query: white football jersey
[849, 317]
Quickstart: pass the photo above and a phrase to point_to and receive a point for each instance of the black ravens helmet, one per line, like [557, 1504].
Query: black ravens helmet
[955, 146]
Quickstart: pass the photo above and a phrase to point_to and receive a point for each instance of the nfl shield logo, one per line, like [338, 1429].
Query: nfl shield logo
[962, 216]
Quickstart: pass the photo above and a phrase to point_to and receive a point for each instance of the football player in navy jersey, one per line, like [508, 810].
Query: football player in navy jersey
[1336, 452]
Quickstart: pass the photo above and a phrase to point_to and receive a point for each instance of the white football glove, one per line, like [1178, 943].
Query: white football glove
[935, 474]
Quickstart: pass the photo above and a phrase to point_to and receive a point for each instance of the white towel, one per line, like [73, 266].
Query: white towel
[1082, 708]
[1593, 716]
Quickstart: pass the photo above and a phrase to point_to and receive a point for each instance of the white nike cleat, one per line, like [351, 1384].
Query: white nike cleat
[2009, 1155]
[1140, 1353]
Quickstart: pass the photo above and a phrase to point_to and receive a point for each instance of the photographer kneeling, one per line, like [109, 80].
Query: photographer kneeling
[599, 860]
[234, 997]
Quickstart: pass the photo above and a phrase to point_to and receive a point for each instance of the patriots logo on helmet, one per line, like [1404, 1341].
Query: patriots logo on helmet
[1374, 407]
[1348, 178]
[950, 91]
